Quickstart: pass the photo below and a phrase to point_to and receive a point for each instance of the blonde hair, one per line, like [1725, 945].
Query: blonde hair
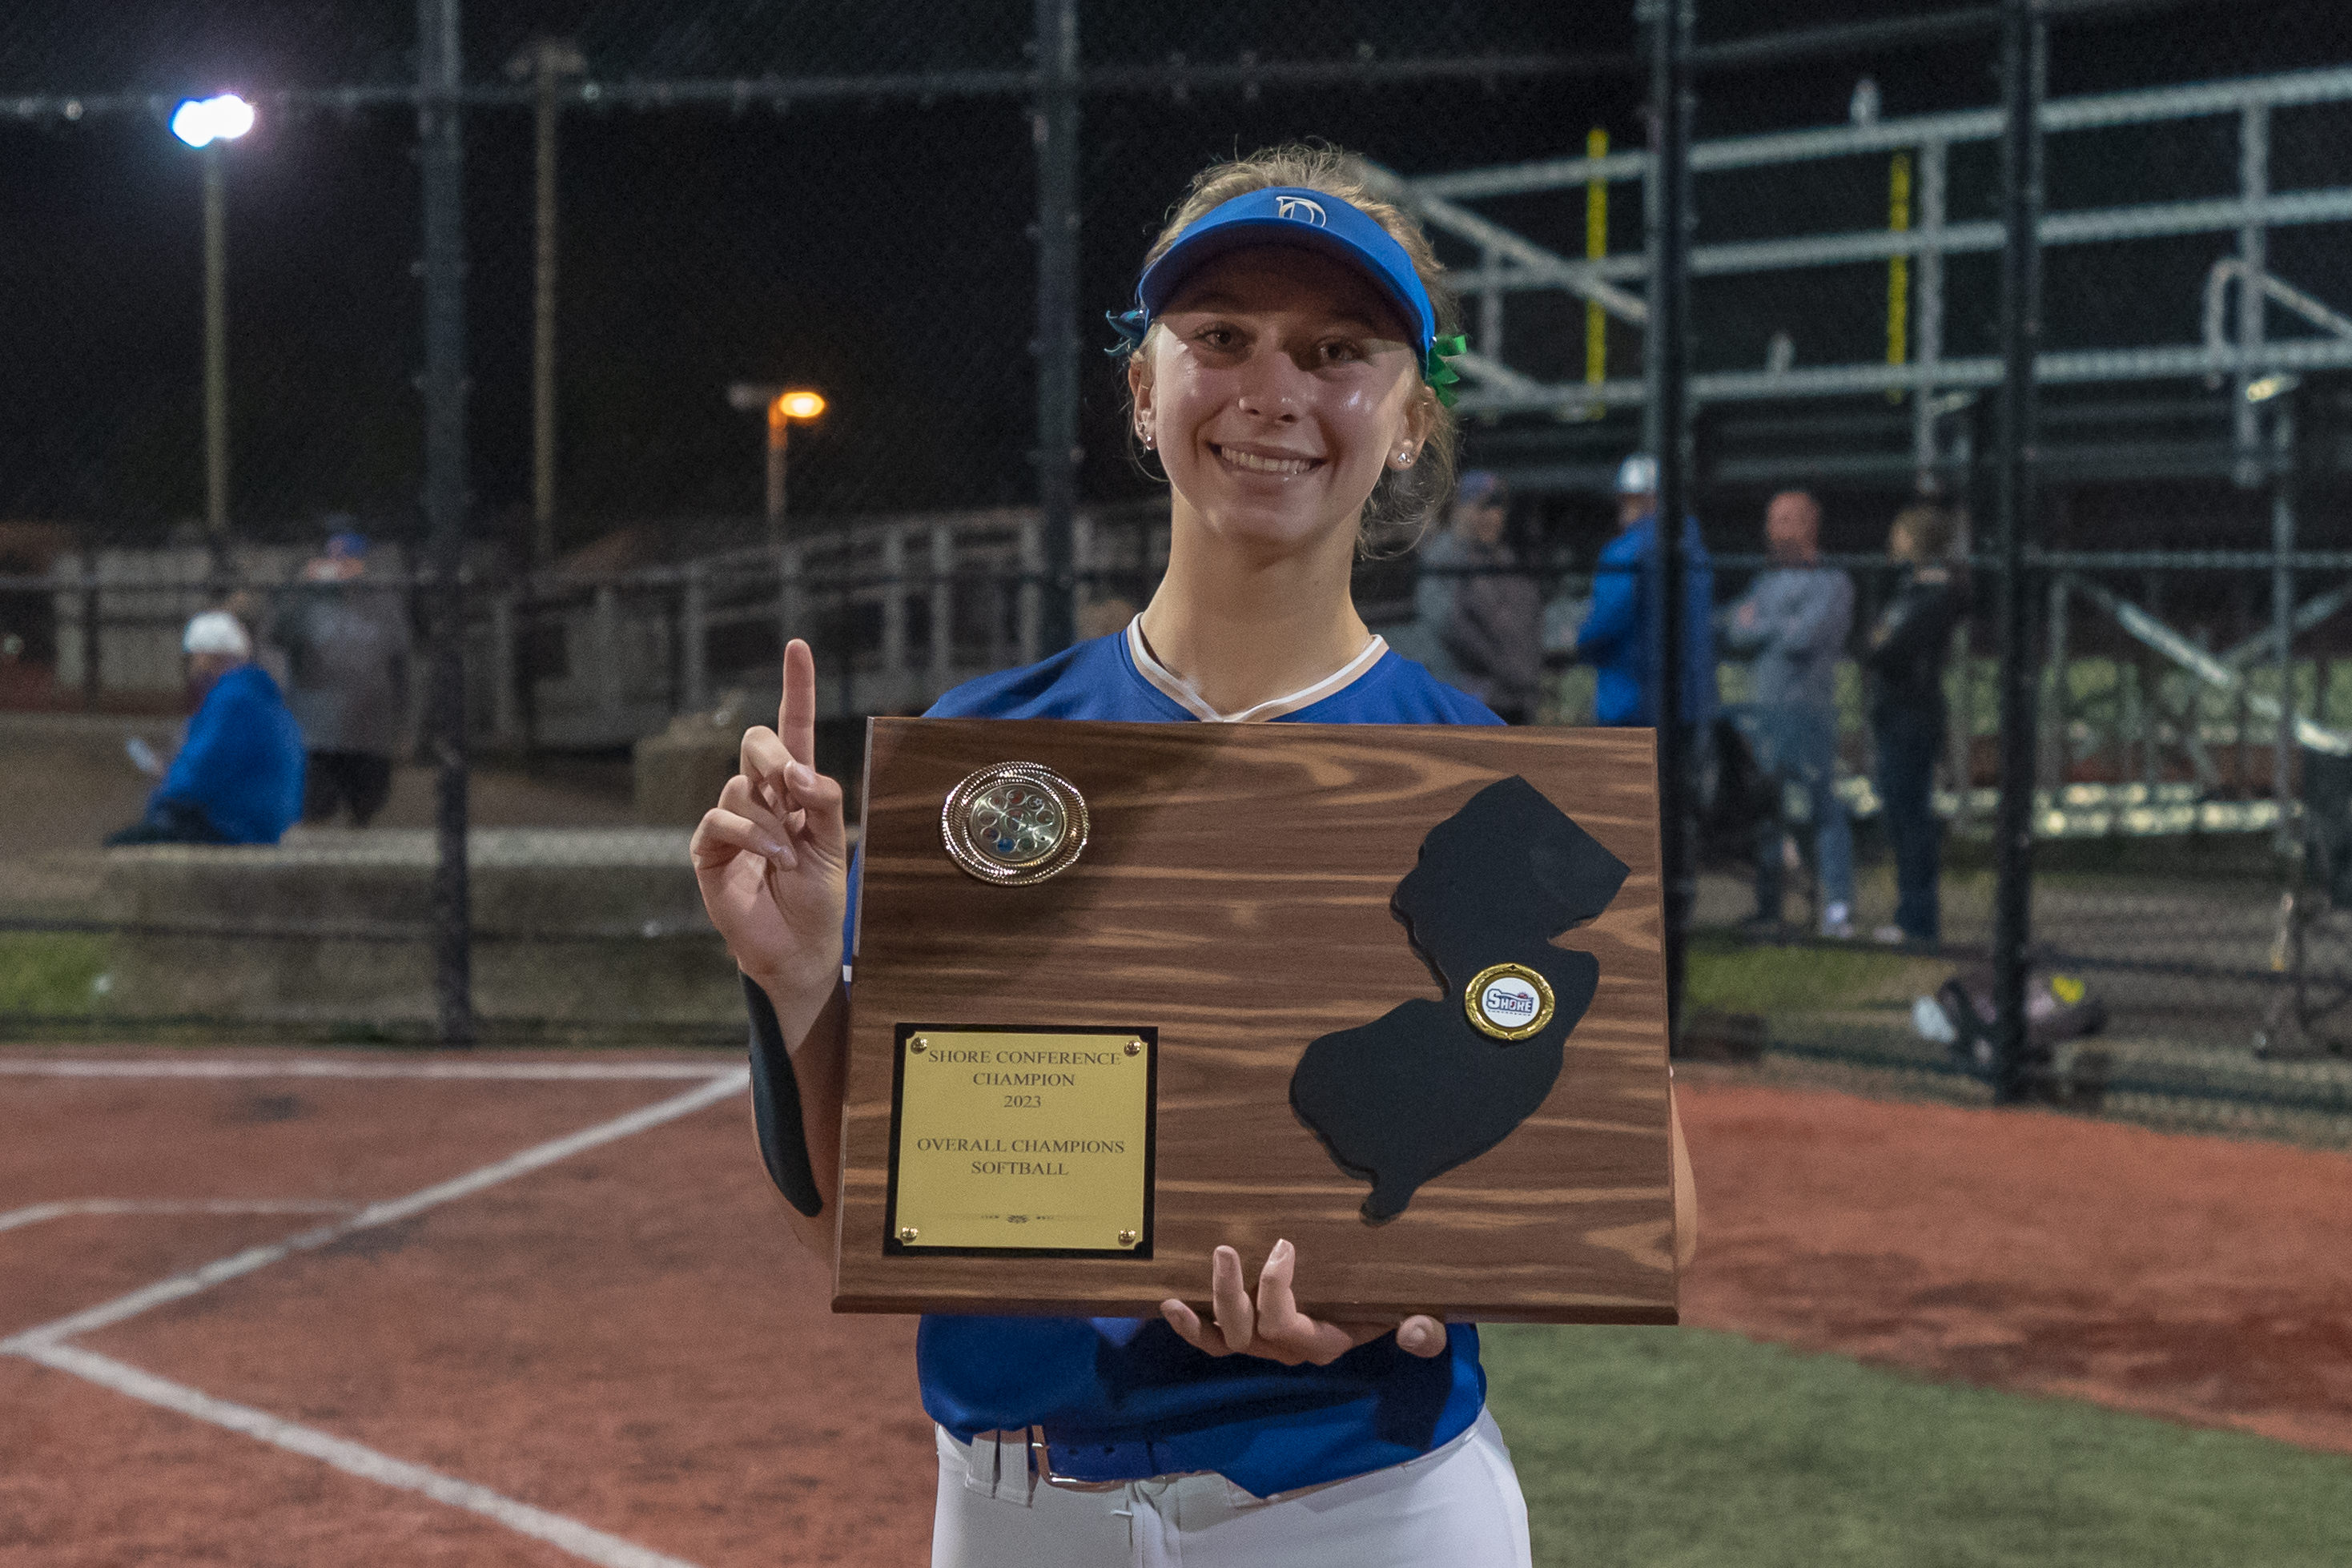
[1928, 531]
[1404, 502]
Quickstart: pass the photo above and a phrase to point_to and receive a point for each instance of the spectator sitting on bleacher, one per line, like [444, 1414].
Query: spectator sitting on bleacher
[239, 777]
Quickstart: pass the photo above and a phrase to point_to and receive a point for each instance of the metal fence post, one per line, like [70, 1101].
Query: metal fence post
[1960, 741]
[2024, 62]
[441, 154]
[1667, 417]
[545, 62]
[2254, 250]
[1055, 131]
[2283, 520]
[543, 300]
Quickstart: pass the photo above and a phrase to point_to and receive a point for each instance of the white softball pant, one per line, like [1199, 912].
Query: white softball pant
[1455, 1507]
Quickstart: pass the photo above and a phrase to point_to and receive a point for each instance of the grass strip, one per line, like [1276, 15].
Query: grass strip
[48, 974]
[1686, 1448]
[1731, 978]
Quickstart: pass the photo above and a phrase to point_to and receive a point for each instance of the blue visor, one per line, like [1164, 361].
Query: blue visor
[1289, 215]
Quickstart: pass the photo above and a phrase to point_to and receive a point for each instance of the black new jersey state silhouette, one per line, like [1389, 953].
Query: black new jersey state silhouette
[1421, 1089]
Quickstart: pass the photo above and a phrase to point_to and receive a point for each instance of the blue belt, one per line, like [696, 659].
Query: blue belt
[1081, 1465]
[1062, 1459]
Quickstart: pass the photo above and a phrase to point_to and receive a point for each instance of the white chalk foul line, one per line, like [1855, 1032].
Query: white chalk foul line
[180, 1286]
[300, 1066]
[569, 1534]
[39, 1212]
[47, 1346]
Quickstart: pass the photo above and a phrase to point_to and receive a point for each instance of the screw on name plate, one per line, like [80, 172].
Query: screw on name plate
[907, 1234]
[1127, 1238]
[1134, 1047]
[919, 1045]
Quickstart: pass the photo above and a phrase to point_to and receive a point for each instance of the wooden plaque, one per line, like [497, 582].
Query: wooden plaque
[1232, 906]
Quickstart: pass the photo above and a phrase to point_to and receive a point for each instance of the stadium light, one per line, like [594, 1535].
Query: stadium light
[2269, 387]
[208, 125]
[201, 121]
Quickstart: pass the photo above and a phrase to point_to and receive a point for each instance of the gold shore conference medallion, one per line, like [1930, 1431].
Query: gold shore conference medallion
[1014, 823]
[1508, 1001]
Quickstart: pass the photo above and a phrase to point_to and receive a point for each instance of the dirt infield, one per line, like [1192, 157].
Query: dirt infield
[583, 1335]
[2197, 1278]
[624, 1338]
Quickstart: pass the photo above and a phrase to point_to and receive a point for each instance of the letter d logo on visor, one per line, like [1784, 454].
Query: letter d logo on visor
[1301, 210]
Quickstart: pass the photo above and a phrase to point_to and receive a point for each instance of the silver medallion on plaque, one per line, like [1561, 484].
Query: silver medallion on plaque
[1014, 823]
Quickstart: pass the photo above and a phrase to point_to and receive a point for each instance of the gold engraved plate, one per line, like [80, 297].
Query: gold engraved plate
[1014, 823]
[1508, 1001]
[1013, 1140]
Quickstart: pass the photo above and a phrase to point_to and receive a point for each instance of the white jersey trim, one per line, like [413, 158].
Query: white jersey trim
[1181, 693]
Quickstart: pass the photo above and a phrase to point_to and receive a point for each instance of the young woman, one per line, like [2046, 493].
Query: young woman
[1281, 363]
[1905, 663]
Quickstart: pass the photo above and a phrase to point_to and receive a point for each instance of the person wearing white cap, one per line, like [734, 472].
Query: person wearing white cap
[237, 778]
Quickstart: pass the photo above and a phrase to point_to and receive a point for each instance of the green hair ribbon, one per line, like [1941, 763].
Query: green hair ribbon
[1443, 377]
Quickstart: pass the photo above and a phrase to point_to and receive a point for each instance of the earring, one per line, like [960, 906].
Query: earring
[1145, 436]
[1405, 458]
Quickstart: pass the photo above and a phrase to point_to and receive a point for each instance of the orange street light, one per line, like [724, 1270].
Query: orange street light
[784, 405]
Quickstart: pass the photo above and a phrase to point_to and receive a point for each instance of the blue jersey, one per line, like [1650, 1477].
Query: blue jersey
[1125, 1398]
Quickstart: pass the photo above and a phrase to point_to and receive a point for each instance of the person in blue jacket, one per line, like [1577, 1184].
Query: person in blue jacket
[239, 775]
[1616, 636]
[1284, 361]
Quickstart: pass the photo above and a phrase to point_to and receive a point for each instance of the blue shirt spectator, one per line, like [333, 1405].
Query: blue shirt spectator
[1616, 636]
[239, 777]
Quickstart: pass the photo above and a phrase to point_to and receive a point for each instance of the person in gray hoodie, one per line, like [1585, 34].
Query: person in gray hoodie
[1793, 624]
[347, 644]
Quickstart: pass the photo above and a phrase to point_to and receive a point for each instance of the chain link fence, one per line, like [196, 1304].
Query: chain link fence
[670, 213]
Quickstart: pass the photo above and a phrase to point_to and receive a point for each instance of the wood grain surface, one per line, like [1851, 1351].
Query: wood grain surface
[1234, 893]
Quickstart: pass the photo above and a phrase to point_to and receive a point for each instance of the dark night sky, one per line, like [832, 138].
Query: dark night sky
[880, 251]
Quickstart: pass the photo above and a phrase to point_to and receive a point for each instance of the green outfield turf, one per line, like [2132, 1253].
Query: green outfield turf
[1679, 1448]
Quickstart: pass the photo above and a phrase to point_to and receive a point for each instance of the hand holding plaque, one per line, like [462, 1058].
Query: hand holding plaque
[1271, 1325]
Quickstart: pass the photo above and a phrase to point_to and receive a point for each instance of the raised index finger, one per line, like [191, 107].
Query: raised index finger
[796, 715]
